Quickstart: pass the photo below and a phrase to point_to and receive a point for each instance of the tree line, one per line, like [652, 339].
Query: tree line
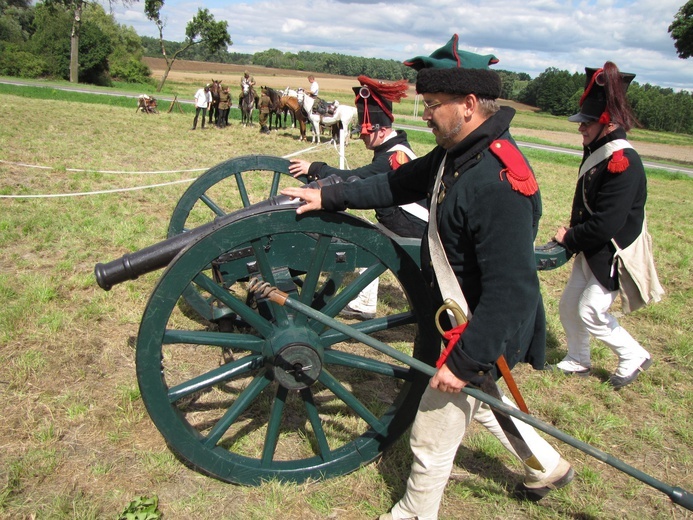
[35, 42]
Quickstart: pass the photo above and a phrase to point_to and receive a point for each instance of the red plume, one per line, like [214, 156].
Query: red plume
[391, 91]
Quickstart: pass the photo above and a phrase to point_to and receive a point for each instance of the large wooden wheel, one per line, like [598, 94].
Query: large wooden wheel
[226, 188]
[282, 396]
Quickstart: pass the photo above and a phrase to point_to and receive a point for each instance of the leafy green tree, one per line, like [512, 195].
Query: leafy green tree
[16, 17]
[52, 41]
[201, 29]
[76, 9]
[125, 59]
[681, 30]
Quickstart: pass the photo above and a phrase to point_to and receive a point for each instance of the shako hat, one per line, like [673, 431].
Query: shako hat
[374, 102]
[596, 103]
[454, 71]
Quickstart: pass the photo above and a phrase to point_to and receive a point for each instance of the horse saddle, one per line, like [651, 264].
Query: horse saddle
[324, 108]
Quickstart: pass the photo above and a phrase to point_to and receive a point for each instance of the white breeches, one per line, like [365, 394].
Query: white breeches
[584, 311]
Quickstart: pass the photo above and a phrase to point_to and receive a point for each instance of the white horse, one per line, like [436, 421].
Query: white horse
[343, 114]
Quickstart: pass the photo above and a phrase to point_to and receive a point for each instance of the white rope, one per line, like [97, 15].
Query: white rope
[92, 192]
[120, 190]
[79, 170]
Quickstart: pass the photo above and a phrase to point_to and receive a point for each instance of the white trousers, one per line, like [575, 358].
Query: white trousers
[367, 299]
[438, 429]
[584, 311]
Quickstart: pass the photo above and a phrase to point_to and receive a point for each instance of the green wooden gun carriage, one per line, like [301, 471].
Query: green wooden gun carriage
[246, 389]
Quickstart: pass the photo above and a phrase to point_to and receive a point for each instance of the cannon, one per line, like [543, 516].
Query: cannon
[248, 388]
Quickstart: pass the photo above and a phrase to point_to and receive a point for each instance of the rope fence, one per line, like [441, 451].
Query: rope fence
[308, 150]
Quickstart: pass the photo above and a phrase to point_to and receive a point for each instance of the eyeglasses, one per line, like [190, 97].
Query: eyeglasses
[435, 104]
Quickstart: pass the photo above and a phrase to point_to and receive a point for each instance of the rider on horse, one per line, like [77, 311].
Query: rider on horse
[247, 81]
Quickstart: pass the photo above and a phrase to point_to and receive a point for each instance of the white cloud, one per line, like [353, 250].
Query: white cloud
[527, 36]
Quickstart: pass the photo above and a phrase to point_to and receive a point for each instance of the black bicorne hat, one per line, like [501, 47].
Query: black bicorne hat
[374, 103]
[594, 100]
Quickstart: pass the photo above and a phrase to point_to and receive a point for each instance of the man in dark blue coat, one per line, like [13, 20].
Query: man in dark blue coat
[390, 150]
[487, 206]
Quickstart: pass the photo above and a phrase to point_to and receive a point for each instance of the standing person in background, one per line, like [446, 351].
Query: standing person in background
[264, 108]
[224, 107]
[390, 150]
[314, 88]
[608, 215]
[484, 201]
[203, 98]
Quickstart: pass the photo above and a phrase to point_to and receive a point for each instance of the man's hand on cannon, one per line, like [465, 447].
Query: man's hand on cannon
[311, 197]
[299, 167]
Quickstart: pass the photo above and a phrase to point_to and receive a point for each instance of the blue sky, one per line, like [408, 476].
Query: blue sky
[527, 36]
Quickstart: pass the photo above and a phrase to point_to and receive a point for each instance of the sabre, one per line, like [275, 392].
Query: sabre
[677, 495]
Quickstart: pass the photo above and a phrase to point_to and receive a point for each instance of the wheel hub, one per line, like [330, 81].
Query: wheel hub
[297, 366]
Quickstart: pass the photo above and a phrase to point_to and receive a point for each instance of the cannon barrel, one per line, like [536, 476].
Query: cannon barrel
[157, 256]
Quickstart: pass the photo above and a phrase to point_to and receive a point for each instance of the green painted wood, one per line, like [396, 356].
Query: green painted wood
[211, 414]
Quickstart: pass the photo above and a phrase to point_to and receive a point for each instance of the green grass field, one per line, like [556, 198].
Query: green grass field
[85, 182]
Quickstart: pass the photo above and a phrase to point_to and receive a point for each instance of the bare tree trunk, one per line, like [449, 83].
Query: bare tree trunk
[169, 62]
[74, 42]
[169, 65]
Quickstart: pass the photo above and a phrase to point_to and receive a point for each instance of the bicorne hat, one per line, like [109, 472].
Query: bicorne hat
[454, 71]
[594, 103]
[374, 103]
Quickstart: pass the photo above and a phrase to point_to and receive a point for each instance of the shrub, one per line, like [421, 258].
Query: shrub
[17, 62]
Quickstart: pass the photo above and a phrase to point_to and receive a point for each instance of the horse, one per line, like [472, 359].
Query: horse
[214, 89]
[343, 115]
[291, 104]
[276, 107]
[247, 104]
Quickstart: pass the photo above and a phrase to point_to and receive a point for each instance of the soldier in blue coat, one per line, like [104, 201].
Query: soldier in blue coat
[390, 150]
[485, 204]
[608, 210]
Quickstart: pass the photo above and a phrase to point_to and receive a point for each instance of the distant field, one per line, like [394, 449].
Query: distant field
[526, 125]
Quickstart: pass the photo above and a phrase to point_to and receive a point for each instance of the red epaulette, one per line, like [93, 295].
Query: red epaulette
[618, 163]
[516, 169]
[397, 159]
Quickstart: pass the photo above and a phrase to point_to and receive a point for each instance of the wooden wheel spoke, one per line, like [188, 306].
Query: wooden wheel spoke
[351, 401]
[246, 313]
[258, 384]
[346, 359]
[332, 337]
[213, 377]
[216, 209]
[273, 426]
[265, 267]
[316, 424]
[242, 191]
[214, 339]
[310, 283]
[350, 291]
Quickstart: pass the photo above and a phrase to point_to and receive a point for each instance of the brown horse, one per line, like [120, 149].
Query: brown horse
[296, 110]
[276, 108]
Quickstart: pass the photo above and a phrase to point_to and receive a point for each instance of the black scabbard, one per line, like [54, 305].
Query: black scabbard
[514, 436]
